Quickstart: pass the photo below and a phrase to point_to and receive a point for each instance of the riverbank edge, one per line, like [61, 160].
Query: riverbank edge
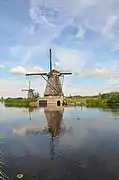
[99, 101]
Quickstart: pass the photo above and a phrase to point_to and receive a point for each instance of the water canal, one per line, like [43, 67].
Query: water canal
[69, 144]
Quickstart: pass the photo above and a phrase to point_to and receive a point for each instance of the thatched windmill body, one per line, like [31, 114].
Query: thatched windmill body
[29, 90]
[53, 91]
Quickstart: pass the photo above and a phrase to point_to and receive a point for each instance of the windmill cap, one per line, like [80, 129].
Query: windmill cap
[54, 72]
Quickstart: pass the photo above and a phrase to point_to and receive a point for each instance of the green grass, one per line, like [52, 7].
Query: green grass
[18, 102]
[102, 100]
[105, 100]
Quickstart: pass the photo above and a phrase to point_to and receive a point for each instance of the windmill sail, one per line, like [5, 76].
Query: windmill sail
[50, 60]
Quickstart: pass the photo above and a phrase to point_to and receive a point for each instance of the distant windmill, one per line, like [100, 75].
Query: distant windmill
[53, 91]
[29, 90]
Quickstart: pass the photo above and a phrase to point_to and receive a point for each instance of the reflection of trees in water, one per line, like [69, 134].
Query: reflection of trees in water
[114, 110]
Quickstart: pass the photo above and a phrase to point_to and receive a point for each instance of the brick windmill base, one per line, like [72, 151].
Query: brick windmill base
[54, 101]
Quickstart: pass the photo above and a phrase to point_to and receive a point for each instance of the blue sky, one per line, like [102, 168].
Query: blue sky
[83, 35]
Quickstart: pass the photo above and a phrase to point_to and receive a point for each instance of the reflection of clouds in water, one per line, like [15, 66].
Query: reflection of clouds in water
[105, 144]
[5, 131]
[12, 114]
[99, 137]
[93, 145]
[25, 146]
[20, 145]
[18, 121]
[30, 127]
[24, 143]
[88, 132]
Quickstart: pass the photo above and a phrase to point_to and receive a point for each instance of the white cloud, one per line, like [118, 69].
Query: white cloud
[2, 66]
[97, 72]
[93, 12]
[90, 14]
[70, 59]
[31, 30]
[111, 24]
[22, 71]
[74, 6]
[36, 13]
[28, 31]
[115, 48]
[113, 83]
[81, 33]
[24, 54]
[38, 69]
[18, 70]
[12, 87]
[40, 19]
[26, 57]
[87, 14]
[85, 90]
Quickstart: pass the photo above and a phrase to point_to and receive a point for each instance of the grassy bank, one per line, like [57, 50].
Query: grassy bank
[18, 102]
[106, 100]
[102, 100]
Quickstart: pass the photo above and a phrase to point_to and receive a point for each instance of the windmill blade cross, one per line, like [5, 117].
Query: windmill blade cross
[25, 90]
[50, 60]
[65, 73]
[36, 74]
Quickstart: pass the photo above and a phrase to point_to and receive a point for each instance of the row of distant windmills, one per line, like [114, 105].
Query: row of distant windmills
[53, 92]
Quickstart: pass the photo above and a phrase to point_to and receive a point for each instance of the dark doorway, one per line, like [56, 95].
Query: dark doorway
[58, 103]
[43, 103]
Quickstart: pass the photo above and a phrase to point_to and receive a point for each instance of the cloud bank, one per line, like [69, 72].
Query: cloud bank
[83, 36]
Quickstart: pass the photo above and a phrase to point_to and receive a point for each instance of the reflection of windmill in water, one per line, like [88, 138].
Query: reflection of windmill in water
[56, 127]
[30, 110]
[29, 90]
[53, 94]
[54, 121]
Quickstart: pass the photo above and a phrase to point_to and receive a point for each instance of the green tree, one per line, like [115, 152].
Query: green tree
[2, 98]
[36, 95]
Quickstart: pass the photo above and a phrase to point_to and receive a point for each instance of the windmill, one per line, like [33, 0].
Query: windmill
[29, 90]
[53, 91]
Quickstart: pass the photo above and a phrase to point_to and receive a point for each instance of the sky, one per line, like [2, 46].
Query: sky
[83, 36]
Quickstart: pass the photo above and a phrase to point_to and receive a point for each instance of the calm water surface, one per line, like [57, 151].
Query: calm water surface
[69, 144]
